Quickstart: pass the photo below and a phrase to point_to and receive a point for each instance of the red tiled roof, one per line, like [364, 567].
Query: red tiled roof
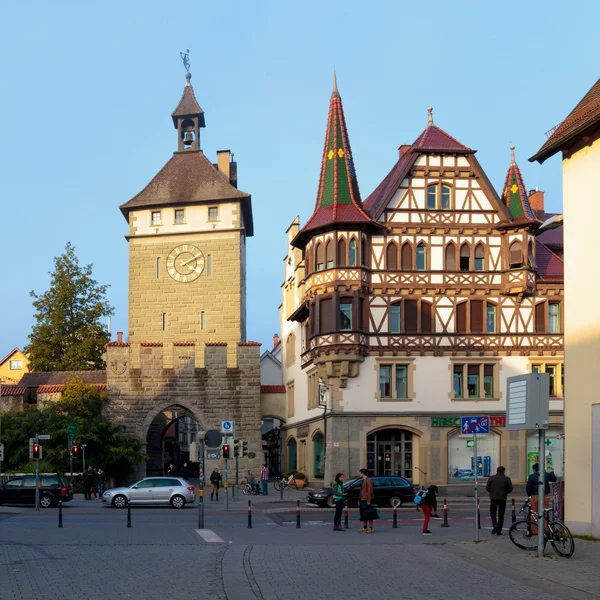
[434, 139]
[272, 389]
[59, 387]
[514, 194]
[552, 237]
[586, 114]
[550, 265]
[249, 343]
[36, 379]
[189, 177]
[11, 390]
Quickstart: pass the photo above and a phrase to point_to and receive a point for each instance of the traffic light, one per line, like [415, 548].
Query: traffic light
[236, 451]
[37, 452]
[75, 450]
[194, 452]
[244, 448]
[225, 450]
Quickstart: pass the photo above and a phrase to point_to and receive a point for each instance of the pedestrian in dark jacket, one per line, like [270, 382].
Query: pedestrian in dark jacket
[338, 496]
[531, 488]
[88, 481]
[427, 504]
[366, 499]
[185, 471]
[215, 483]
[498, 486]
[101, 480]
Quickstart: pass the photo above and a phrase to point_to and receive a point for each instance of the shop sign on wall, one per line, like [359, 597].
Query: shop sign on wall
[452, 421]
[302, 431]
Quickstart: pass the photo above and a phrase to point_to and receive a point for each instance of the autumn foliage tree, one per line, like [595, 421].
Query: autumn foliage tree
[68, 334]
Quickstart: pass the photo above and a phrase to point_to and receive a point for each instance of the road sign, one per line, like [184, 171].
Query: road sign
[228, 427]
[43, 437]
[214, 454]
[213, 438]
[72, 431]
[475, 425]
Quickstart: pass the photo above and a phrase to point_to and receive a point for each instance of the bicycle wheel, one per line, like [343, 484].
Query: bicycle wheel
[521, 535]
[277, 485]
[561, 539]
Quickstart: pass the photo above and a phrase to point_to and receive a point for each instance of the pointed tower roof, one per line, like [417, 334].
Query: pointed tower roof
[514, 193]
[434, 139]
[338, 197]
[188, 105]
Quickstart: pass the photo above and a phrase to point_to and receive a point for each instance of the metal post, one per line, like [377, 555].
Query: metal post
[128, 514]
[297, 514]
[37, 478]
[60, 514]
[237, 478]
[71, 461]
[345, 514]
[395, 519]
[225, 485]
[200, 508]
[83, 455]
[249, 514]
[513, 515]
[476, 486]
[281, 489]
[445, 523]
[478, 515]
[541, 489]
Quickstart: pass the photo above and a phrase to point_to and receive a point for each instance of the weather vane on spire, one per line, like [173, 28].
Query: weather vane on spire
[185, 57]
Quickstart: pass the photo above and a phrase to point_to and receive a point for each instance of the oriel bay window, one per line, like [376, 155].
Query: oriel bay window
[515, 255]
[474, 380]
[352, 253]
[394, 381]
[346, 314]
[335, 313]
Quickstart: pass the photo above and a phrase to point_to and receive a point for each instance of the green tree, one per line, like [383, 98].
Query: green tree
[106, 445]
[68, 334]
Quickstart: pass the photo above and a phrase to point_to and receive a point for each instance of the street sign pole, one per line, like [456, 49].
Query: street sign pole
[476, 486]
[37, 478]
[70, 442]
[541, 489]
[226, 487]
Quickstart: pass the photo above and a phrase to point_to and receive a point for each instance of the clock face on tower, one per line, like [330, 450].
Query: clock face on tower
[185, 263]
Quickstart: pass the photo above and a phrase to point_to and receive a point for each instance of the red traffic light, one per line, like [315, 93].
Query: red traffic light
[75, 450]
[36, 451]
[226, 451]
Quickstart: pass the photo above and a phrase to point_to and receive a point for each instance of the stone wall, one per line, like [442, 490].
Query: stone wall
[144, 380]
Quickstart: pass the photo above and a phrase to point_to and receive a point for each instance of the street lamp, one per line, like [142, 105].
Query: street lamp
[83, 447]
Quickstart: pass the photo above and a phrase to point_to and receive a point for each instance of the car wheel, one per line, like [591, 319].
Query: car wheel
[395, 501]
[177, 501]
[331, 501]
[120, 501]
[46, 501]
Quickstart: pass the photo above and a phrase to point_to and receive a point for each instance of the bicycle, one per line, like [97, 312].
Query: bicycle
[523, 536]
[285, 482]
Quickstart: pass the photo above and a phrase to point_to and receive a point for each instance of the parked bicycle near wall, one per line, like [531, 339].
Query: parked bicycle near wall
[285, 482]
[524, 535]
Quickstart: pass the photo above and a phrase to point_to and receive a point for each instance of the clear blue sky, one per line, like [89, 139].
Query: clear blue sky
[87, 88]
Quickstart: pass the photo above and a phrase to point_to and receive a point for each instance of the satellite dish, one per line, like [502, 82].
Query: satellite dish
[213, 438]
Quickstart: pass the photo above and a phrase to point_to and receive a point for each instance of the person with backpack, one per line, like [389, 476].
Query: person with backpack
[215, 483]
[426, 499]
[499, 486]
[338, 496]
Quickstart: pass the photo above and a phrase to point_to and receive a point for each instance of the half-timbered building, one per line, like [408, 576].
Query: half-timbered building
[402, 313]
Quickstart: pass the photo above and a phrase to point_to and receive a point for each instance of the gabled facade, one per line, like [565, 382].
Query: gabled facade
[13, 366]
[577, 138]
[440, 300]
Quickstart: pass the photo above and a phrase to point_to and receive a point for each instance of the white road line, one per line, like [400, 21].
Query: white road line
[208, 535]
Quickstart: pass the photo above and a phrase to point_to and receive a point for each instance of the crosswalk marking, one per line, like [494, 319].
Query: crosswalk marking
[208, 535]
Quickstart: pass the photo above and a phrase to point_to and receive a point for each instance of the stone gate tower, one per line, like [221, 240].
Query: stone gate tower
[186, 354]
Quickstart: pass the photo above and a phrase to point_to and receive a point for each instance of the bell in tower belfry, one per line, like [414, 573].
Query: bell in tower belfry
[188, 118]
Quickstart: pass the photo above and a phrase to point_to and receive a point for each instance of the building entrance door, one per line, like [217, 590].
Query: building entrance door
[390, 452]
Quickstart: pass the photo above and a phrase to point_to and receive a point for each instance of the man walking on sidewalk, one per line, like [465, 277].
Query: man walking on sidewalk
[264, 479]
[499, 487]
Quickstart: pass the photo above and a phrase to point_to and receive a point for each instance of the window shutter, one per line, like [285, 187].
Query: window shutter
[391, 257]
[342, 253]
[540, 317]
[476, 316]
[326, 315]
[407, 262]
[450, 257]
[461, 317]
[410, 316]
[426, 317]
[329, 254]
[516, 255]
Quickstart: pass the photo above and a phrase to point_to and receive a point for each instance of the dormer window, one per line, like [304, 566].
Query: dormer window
[438, 197]
[156, 220]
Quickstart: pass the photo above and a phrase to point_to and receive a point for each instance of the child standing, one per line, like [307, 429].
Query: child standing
[427, 505]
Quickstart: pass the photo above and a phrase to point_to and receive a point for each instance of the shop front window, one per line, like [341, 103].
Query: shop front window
[555, 448]
[461, 463]
[390, 453]
[318, 446]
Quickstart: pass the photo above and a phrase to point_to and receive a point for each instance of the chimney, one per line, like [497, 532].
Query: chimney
[119, 337]
[536, 201]
[275, 340]
[403, 149]
[223, 158]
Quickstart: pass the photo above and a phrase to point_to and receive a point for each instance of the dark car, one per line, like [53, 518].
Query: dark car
[388, 491]
[21, 490]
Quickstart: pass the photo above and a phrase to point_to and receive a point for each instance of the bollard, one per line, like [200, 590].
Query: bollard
[281, 492]
[514, 512]
[346, 514]
[395, 519]
[445, 523]
[128, 515]
[249, 514]
[297, 514]
[478, 514]
[60, 513]
[200, 509]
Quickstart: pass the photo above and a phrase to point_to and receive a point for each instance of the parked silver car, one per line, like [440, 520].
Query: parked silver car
[152, 490]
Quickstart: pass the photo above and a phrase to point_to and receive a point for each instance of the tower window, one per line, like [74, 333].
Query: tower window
[329, 254]
[156, 217]
[179, 216]
[319, 257]
[158, 267]
[164, 321]
[346, 314]
[213, 213]
[202, 320]
[352, 253]
[208, 264]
